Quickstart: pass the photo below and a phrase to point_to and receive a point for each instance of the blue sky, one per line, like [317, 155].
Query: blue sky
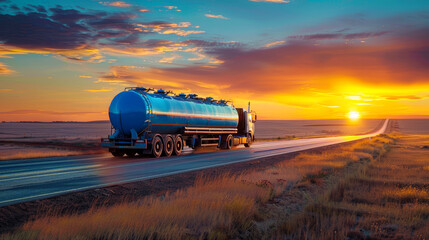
[59, 59]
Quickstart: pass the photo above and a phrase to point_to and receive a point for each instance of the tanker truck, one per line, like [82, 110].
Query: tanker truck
[146, 121]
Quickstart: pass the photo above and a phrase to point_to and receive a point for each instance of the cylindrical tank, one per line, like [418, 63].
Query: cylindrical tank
[139, 110]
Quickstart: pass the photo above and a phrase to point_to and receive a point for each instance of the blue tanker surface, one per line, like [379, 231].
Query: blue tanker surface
[162, 113]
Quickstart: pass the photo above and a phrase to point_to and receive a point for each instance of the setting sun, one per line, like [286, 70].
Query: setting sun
[353, 115]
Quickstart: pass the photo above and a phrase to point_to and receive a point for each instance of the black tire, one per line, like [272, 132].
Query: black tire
[118, 153]
[168, 146]
[226, 141]
[229, 141]
[157, 146]
[178, 145]
[223, 141]
[249, 141]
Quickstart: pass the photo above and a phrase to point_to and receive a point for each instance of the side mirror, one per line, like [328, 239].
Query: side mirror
[254, 118]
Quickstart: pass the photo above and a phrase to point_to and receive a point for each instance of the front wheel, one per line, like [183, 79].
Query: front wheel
[157, 146]
[248, 142]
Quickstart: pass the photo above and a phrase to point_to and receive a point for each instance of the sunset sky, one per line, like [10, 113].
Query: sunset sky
[66, 60]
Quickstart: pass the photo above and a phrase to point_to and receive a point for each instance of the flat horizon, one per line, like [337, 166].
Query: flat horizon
[393, 118]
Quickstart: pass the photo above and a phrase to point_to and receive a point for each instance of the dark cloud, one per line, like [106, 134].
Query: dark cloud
[153, 43]
[36, 30]
[14, 7]
[39, 8]
[338, 35]
[120, 21]
[61, 28]
[159, 24]
[318, 36]
[78, 34]
[343, 30]
[364, 35]
[129, 39]
[212, 44]
[69, 16]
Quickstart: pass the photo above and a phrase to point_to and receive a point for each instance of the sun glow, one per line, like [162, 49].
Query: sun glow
[353, 115]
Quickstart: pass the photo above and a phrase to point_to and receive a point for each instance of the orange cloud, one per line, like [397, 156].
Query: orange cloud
[173, 8]
[4, 69]
[142, 51]
[311, 80]
[119, 4]
[181, 32]
[83, 53]
[271, 44]
[133, 75]
[216, 16]
[99, 90]
[167, 59]
[170, 28]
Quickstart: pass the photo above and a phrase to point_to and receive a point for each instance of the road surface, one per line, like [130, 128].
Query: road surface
[31, 179]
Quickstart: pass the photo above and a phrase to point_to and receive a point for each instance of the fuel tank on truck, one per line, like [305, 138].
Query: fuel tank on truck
[159, 112]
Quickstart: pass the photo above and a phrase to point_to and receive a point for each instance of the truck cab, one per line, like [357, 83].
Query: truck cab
[246, 127]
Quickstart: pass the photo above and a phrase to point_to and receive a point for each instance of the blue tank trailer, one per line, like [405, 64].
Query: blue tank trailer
[162, 123]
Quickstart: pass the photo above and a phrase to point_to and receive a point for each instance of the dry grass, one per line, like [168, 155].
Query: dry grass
[224, 207]
[39, 154]
[387, 198]
[211, 208]
[407, 194]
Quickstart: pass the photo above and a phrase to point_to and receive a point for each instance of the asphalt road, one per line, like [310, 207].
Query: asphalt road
[31, 179]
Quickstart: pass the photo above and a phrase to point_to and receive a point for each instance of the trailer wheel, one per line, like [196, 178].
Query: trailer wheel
[168, 146]
[178, 145]
[157, 146]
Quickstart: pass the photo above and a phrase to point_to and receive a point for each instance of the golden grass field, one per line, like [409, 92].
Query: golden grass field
[384, 199]
[360, 190]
